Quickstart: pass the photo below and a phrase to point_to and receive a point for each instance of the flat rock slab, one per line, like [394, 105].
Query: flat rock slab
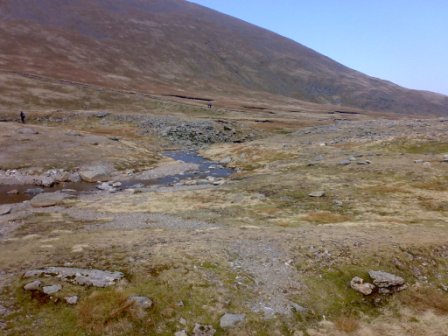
[5, 209]
[45, 200]
[79, 276]
[385, 280]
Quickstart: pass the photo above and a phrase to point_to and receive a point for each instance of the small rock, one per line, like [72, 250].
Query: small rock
[5, 209]
[102, 114]
[183, 321]
[114, 138]
[71, 300]
[359, 285]
[338, 203]
[181, 333]
[33, 286]
[13, 192]
[384, 279]
[34, 191]
[427, 165]
[364, 162]
[344, 162]
[53, 289]
[298, 308]
[319, 193]
[418, 161]
[203, 330]
[231, 320]
[141, 301]
[352, 158]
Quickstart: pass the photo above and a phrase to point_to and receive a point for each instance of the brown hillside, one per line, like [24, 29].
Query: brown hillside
[173, 46]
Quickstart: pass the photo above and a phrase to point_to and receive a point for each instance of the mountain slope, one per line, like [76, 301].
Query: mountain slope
[167, 46]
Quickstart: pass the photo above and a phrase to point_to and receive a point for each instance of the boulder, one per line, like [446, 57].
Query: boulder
[79, 276]
[359, 285]
[385, 280]
[5, 209]
[95, 173]
[231, 320]
[45, 200]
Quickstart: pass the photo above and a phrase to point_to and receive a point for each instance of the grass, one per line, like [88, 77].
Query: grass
[425, 298]
[347, 324]
[325, 217]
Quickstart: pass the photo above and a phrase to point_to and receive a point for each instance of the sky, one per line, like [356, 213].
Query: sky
[404, 41]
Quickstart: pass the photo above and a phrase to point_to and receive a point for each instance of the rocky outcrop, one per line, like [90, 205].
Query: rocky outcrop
[78, 276]
[383, 283]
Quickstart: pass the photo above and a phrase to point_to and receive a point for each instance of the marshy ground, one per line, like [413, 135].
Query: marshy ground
[257, 244]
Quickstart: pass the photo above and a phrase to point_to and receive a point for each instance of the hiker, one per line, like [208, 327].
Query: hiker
[210, 105]
[22, 117]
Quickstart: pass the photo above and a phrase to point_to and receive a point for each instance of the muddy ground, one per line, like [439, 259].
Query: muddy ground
[254, 242]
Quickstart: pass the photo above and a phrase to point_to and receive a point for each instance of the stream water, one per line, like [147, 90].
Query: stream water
[205, 168]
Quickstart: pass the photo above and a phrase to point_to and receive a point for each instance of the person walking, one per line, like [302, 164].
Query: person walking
[22, 117]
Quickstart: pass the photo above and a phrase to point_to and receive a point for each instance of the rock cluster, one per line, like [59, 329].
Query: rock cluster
[383, 282]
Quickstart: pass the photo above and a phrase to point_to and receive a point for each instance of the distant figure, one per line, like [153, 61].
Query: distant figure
[210, 105]
[22, 117]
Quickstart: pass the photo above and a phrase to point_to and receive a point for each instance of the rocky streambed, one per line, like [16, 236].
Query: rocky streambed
[188, 168]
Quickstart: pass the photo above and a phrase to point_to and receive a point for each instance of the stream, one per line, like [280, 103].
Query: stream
[205, 169]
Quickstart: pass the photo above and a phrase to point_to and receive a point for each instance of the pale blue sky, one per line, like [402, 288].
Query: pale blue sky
[404, 41]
